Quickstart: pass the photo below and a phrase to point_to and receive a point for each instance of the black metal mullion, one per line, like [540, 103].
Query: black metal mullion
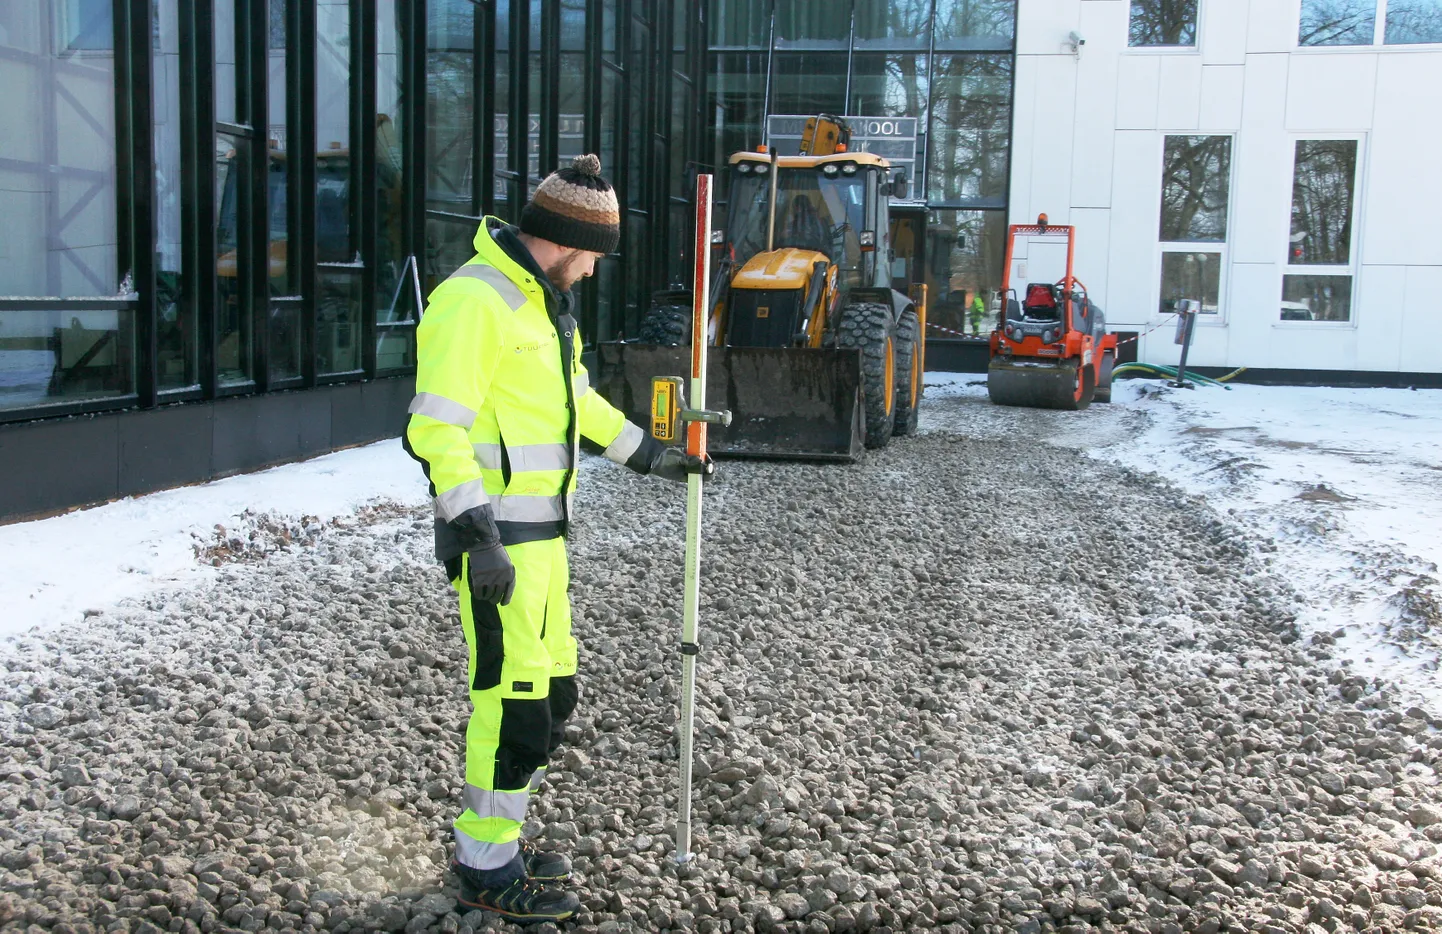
[483, 111]
[197, 179]
[549, 111]
[135, 179]
[518, 122]
[252, 38]
[302, 149]
[363, 156]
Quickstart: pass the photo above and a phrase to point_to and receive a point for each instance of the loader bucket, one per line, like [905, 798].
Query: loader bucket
[1036, 383]
[785, 403]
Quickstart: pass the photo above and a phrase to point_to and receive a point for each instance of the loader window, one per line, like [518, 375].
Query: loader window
[813, 212]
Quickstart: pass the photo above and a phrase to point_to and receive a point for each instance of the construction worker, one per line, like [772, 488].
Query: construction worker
[501, 403]
[978, 312]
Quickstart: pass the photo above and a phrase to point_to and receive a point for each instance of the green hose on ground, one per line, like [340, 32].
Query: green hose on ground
[1170, 372]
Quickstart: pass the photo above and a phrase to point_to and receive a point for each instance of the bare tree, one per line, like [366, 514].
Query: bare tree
[1164, 22]
[1195, 175]
[1337, 22]
[1323, 187]
[1412, 21]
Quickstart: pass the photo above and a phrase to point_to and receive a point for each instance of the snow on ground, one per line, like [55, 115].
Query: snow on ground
[61, 570]
[1342, 482]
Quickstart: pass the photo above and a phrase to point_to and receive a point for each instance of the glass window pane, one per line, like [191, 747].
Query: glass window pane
[232, 317]
[975, 24]
[534, 94]
[1197, 276]
[1413, 21]
[49, 357]
[282, 280]
[395, 286]
[683, 108]
[175, 362]
[285, 340]
[680, 244]
[736, 99]
[571, 132]
[610, 121]
[638, 282]
[225, 79]
[809, 83]
[888, 86]
[449, 245]
[573, 25]
[1316, 298]
[971, 129]
[1196, 181]
[57, 161]
[332, 131]
[740, 23]
[608, 300]
[893, 23]
[638, 71]
[84, 25]
[337, 321]
[812, 24]
[395, 349]
[610, 39]
[963, 254]
[1337, 22]
[1163, 22]
[1322, 200]
[450, 106]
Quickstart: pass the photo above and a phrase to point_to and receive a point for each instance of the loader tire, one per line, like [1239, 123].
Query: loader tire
[910, 383]
[666, 326]
[868, 326]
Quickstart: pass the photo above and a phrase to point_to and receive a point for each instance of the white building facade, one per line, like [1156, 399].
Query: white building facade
[1276, 159]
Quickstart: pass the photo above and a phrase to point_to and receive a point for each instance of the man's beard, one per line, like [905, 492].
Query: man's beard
[560, 275]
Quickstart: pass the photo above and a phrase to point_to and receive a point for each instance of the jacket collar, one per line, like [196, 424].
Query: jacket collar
[498, 244]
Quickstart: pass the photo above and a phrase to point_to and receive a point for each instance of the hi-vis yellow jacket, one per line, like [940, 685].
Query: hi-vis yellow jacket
[501, 399]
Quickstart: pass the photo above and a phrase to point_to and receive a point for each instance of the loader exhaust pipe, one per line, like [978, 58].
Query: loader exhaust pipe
[771, 208]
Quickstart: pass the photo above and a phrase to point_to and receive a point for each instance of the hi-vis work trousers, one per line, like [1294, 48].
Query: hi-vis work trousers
[523, 687]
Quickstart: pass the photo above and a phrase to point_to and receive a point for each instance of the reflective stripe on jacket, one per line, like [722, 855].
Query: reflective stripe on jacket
[501, 400]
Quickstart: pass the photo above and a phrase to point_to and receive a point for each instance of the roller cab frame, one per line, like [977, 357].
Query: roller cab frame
[1051, 349]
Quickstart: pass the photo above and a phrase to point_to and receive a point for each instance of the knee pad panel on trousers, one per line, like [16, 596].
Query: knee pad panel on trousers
[565, 693]
[523, 744]
[489, 642]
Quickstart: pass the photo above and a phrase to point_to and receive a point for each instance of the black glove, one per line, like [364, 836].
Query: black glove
[676, 464]
[493, 577]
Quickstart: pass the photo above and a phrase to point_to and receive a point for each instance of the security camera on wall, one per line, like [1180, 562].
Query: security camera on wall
[1076, 41]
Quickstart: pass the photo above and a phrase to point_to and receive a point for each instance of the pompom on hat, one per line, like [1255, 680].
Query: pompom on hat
[575, 207]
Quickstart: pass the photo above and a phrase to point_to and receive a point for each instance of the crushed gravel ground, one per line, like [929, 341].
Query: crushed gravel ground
[967, 685]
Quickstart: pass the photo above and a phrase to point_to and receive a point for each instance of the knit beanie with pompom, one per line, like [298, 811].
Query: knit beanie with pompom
[575, 207]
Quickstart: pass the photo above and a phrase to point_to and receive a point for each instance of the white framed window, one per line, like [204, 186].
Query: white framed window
[1164, 24]
[1320, 274]
[1340, 23]
[1194, 219]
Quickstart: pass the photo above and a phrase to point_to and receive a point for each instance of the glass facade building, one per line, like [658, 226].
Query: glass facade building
[217, 200]
[948, 63]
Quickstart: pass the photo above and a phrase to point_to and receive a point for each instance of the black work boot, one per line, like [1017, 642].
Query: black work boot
[543, 866]
[517, 899]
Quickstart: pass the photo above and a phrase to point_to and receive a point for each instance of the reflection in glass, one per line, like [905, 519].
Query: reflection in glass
[608, 302]
[49, 357]
[1323, 177]
[1316, 298]
[1196, 276]
[610, 119]
[975, 24]
[450, 101]
[637, 246]
[395, 300]
[337, 321]
[332, 131]
[888, 86]
[736, 96]
[971, 129]
[1163, 23]
[637, 172]
[225, 58]
[808, 83]
[57, 155]
[1196, 179]
[610, 42]
[1413, 21]
[739, 23]
[573, 25]
[501, 101]
[533, 94]
[175, 343]
[1337, 22]
[963, 254]
[285, 339]
[809, 23]
[571, 120]
[893, 23]
[232, 257]
[281, 275]
[449, 245]
[683, 105]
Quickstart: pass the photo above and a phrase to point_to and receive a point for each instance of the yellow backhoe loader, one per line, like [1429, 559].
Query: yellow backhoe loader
[816, 350]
